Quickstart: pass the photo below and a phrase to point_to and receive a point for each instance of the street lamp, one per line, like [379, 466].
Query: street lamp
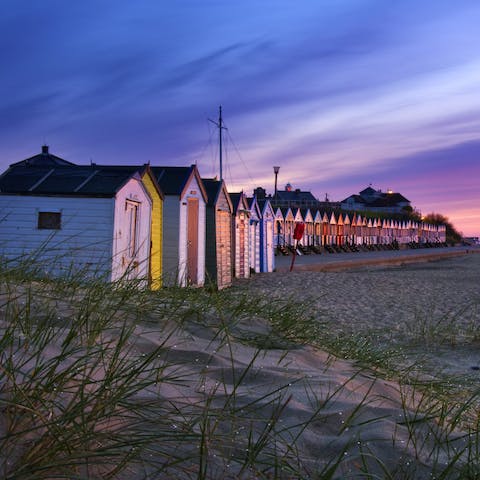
[275, 171]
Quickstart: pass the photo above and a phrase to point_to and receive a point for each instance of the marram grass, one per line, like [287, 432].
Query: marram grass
[81, 399]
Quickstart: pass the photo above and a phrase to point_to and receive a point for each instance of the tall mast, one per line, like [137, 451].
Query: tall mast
[220, 127]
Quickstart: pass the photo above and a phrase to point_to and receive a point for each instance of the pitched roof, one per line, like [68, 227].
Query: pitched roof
[173, 180]
[265, 204]
[389, 200]
[65, 180]
[368, 191]
[239, 201]
[295, 196]
[236, 197]
[212, 187]
[43, 159]
[356, 198]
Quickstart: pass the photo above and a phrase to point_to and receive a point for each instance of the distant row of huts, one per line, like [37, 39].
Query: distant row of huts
[343, 228]
[160, 224]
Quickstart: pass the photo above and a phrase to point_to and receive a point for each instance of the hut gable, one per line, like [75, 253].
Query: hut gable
[297, 215]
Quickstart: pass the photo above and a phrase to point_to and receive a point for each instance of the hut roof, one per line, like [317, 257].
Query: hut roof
[65, 180]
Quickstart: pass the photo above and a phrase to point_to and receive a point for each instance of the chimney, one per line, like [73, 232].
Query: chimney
[260, 193]
[44, 149]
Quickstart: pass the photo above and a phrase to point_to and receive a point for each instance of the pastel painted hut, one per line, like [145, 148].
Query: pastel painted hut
[267, 234]
[378, 228]
[288, 226]
[184, 225]
[364, 231]
[346, 229]
[240, 235]
[218, 255]
[69, 218]
[156, 241]
[333, 229]
[279, 229]
[404, 233]
[340, 230]
[370, 232]
[325, 230]
[308, 232]
[358, 230]
[317, 228]
[353, 230]
[254, 234]
[298, 218]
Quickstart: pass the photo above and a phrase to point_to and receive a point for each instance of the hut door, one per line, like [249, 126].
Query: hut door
[192, 240]
[269, 246]
[242, 247]
[224, 235]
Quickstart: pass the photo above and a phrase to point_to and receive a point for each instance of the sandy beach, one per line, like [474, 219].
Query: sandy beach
[233, 386]
[361, 412]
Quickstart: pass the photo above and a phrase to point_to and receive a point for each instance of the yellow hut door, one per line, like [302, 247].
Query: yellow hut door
[192, 241]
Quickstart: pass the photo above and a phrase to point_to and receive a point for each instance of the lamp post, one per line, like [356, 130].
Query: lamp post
[275, 171]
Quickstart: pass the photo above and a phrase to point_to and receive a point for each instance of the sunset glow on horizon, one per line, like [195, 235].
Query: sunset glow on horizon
[340, 94]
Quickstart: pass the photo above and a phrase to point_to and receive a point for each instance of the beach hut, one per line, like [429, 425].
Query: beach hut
[298, 218]
[184, 213]
[358, 229]
[370, 232]
[288, 226]
[340, 230]
[69, 218]
[267, 233]
[386, 230]
[325, 230]
[240, 235]
[346, 229]
[403, 233]
[353, 230]
[378, 226]
[218, 248]
[308, 231]
[254, 234]
[317, 228]
[156, 194]
[332, 224]
[279, 229]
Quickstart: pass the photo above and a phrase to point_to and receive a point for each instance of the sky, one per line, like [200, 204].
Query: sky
[341, 94]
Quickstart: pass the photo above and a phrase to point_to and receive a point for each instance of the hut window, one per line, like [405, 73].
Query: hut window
[132, 222]
[49, 220]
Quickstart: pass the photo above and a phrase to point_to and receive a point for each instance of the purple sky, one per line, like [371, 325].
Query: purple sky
[339, 94]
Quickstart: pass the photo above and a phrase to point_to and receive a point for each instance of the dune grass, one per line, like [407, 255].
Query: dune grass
[82, 397]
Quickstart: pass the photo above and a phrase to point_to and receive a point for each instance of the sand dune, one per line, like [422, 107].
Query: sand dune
[235, 399]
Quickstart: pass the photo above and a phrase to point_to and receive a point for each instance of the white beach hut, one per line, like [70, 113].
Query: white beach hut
[68, 218]
[254, 234]
[184, 232]
[267, 245]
